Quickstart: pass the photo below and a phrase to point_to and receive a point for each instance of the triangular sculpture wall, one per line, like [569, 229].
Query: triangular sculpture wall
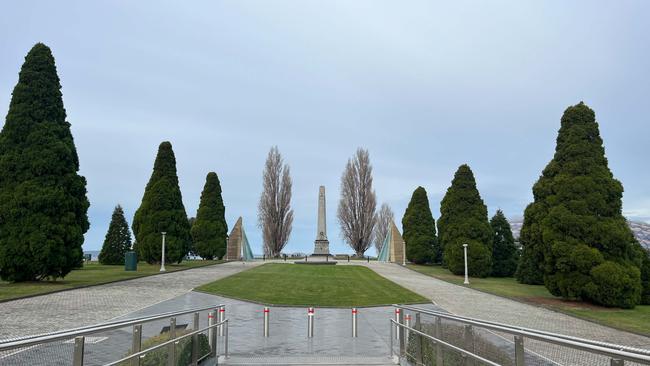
[394, 246]
[238, 246]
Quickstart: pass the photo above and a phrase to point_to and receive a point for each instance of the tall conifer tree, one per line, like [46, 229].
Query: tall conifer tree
[463, 220]
[504, 251]
[575, 226]
[43, 204]
[210, 229]
[118, 239]
[419, 229]
[162, 210]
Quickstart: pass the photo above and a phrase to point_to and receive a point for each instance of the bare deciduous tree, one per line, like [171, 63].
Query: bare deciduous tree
[275, 216]
[384, 218]
[356, 212]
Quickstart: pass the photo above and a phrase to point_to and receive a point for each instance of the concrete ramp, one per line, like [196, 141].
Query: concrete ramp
[308, 360]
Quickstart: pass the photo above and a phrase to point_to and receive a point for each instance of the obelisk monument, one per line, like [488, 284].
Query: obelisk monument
[321, 244]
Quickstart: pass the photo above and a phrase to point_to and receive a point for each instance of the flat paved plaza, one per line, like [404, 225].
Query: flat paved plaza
[91, 305]
[288, 341]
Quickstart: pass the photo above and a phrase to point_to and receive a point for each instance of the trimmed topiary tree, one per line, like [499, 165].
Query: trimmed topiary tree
[118, 239]
[574, 230]
[464, 220]
[504, 251]
[419, 229]
[209, 230]
[162, 210]
[43, 203]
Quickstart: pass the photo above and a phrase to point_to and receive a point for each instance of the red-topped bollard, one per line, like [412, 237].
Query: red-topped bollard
[354, 322]
[222, 317]
[397, 326]
[266, 322]
[310, 322]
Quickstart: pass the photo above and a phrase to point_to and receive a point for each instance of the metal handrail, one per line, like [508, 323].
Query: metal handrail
[443, 343]
[81, 331]
[172, 340]
[557, 335]
[541, 336]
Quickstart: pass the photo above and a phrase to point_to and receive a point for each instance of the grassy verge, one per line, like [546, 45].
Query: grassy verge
[91, 274]
[635, 320]
[304, 285]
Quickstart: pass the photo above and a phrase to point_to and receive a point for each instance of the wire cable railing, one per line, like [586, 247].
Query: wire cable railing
[217, 326]
[617, 354]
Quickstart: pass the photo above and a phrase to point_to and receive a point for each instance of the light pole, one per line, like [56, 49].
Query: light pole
[465, 253]
[162, 264]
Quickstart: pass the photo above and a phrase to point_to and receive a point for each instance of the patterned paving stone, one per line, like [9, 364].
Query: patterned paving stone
[96, 304]
[471, 303]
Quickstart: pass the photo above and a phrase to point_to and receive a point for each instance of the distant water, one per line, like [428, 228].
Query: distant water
[94, 254]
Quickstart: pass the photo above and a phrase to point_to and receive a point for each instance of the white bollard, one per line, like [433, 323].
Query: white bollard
[266, 322]
[354, 322]
[310, 322]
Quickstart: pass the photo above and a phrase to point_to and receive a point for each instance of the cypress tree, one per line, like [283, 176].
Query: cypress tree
[504, 251]
[210, 229]
[574, 230]
[419, 229]
[162, 210]
[43, 204]
[118, 239]
[464, 220]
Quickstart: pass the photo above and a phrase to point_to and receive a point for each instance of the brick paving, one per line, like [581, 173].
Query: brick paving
[96, 304]
[465, 301]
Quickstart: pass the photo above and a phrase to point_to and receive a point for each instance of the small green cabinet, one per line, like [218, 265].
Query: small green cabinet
[130, 261]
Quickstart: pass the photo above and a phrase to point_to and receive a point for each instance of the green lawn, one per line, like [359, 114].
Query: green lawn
[91, 274]
[305, 285]
[634, 320]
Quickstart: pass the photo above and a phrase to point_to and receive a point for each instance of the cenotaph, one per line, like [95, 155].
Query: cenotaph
[321, 244]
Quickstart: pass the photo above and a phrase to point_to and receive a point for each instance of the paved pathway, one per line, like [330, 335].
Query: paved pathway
[96, 304]
[471, 303]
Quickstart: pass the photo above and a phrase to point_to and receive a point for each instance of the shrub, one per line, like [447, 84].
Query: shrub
[645, 279]
[161, 356]
[614, 284]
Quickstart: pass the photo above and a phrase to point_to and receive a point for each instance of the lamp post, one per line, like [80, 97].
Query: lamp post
[465, 253]
[162, 264]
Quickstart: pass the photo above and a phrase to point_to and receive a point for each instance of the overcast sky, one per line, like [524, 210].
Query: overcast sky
[424, 87]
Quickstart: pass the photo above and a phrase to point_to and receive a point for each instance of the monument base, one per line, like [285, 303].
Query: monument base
[318, 262]
[321, 248]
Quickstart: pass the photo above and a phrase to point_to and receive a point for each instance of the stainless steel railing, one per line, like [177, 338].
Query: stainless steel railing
[78, 334]
[438, 342]
[618, 354]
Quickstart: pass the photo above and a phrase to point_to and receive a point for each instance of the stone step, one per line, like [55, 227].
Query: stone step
[307, 360]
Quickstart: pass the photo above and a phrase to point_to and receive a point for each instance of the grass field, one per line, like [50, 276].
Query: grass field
[91, 274]
[635, 320]
[305, 285]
